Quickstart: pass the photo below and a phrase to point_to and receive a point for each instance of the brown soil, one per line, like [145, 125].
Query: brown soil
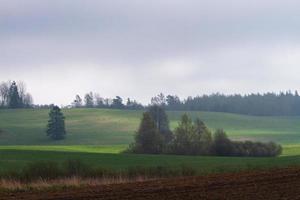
[274, 184]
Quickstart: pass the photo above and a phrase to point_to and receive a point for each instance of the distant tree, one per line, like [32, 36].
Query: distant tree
[133, 105]
[56, 124]
[173, 102]
[4, 93]
[107, 102]
[159, 100]
[160, 117]
[77, 102]
[182, 142]
[14, 99]
[205, 137]
[191, 138]
[222, 145]
[147, 139]
[21, 87]
[14, 95]
[27, 101]
[89, 100]
[117, 103]
[129, 103]
[99, 101]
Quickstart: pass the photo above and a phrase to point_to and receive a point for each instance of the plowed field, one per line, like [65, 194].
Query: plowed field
[274, 184]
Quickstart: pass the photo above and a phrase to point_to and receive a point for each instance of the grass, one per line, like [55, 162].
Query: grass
[70, 148]
[17, 159]
[97, 136]
[62, 183]
[116, 127]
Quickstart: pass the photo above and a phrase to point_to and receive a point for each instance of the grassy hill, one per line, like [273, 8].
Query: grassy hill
[97, 136]
[116, 127]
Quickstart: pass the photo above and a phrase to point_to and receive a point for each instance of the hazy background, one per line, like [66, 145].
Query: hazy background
[139, 48]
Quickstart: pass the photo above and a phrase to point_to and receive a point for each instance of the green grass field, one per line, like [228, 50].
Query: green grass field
[97, 136]
[116, 127]
[16, 159]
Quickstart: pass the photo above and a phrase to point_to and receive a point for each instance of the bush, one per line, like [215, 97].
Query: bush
[256, 149]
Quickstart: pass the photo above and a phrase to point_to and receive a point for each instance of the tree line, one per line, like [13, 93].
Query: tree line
[94, 100]
[191, 138]
[14, 95]
[267, 104]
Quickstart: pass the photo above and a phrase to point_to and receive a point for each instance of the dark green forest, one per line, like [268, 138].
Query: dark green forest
[267, 104]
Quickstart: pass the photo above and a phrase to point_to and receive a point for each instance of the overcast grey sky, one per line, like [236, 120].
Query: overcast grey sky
[138, 48]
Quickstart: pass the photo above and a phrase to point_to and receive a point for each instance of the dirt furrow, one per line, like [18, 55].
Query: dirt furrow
[274, 184]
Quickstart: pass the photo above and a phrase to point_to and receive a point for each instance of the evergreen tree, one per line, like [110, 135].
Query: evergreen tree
[147, 139]
[56, 124]
[14, 100]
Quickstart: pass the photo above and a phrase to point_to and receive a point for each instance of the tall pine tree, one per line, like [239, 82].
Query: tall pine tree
[14, 99]
[56, 124]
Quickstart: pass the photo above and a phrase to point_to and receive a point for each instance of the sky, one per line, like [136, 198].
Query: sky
[139, 48]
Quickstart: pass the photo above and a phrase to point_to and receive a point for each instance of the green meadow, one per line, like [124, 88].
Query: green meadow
[98, 136]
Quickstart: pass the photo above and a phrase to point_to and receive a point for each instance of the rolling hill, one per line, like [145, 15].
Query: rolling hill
[117, 127]
[97, 136]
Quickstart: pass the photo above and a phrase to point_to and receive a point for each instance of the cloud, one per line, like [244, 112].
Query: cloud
[138, 48]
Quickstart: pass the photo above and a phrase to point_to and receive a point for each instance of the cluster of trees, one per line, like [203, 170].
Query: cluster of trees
[94, 100]
[191, 138]
[14, 95]
[267, 104]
